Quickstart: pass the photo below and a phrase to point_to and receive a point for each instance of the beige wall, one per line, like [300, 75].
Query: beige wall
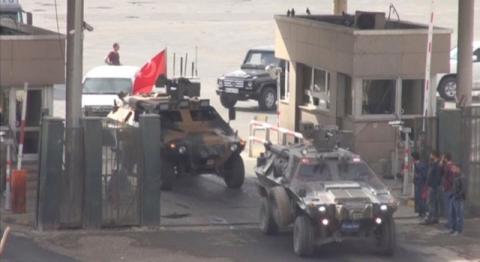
[360, 53]
[38, 60]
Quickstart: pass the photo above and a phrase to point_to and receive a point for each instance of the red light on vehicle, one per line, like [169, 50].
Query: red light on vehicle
[306, 161]
[173, 146]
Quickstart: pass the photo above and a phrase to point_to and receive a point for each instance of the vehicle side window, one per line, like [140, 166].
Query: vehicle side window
[477, 54]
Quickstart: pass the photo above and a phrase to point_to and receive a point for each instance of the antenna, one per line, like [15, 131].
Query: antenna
[174, 60]
[186, 64]
[196, 61]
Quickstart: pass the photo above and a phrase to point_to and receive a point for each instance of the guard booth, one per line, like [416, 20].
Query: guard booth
[359, 72]
[36, 57]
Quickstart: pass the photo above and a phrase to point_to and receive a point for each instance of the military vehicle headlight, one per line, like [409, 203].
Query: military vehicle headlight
[322, 209]
[182, 149]
[378, 220]
[250, 84]
[233, 147]
[383, 207]
[325, 222]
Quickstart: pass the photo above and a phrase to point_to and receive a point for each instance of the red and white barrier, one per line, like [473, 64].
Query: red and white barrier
[282, 134]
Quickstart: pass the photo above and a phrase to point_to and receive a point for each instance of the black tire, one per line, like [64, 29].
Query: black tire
[267, 223]
[227, 101]
[167, 176]
[281, 207]
[234, 172]
[303, 236]
[386, 237]
[447, 89]
[268, 99]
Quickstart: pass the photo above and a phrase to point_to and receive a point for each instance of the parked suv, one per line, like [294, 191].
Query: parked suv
[447, 87]
[252, 81]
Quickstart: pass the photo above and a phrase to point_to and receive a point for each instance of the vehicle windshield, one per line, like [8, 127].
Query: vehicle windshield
[260, 58]
[10, 15]
[107, 85]
[326, 171]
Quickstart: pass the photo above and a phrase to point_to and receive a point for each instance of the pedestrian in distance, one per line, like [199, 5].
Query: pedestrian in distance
[434, 182]
[420, 184]
[447, 185]
[458, 201]
[113, 57]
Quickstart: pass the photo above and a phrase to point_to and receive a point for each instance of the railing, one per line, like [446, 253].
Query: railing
[283, 134]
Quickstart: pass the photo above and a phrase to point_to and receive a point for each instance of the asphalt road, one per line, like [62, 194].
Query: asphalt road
[22, 249]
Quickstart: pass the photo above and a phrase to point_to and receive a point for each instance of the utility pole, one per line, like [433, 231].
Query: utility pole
[73, 135]
[466, 12]
[340, 6]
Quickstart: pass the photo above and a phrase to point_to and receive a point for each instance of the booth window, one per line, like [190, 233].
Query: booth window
[345, 83]
[285, 82]
[316, 87]
[378, 97]
[412, 97]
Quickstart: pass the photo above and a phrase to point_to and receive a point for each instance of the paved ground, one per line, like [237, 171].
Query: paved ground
[203, 221]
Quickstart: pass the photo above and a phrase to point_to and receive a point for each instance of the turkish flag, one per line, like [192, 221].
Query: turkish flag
[148, 75]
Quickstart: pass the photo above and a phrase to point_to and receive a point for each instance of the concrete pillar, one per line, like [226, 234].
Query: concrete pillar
[466, 10]
[340, 6]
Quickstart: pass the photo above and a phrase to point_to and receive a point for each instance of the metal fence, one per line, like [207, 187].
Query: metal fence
[470, 162]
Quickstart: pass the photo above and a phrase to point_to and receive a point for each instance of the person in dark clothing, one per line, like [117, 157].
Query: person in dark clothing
[457, 201]
[447, 185]
[420, 183]
[113, 58]
[434, 182]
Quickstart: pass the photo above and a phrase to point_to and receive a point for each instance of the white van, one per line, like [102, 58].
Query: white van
[102, 84]
[11, 9]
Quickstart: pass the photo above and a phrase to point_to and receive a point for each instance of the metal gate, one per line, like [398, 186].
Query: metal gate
[470, 141]
[121, 167]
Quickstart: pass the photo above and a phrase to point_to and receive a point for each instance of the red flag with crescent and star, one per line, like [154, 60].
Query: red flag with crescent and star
[149, 73]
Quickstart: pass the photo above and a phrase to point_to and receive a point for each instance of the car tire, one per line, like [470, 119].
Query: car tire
[447, 89]
[268, 99]
[234, 172]
[303, 236]
[167, 175]
[281, 207]
[227, 101]
[267, 222]
[386, 237]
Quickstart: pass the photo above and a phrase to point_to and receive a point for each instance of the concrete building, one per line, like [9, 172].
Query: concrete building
[357, 72]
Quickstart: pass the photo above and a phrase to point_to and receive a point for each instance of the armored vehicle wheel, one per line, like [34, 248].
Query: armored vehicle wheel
[386, 239]
[227, 101]
[303, 236]
[281, 207]
[167, 175]
[234, 172]
[267, 223]
[268, 99]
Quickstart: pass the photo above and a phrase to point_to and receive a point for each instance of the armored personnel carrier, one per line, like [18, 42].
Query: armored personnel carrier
[195, 138]
[326, 192]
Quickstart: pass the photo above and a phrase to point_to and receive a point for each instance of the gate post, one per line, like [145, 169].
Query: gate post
[92, 137]
[50, 175]
[150, 178]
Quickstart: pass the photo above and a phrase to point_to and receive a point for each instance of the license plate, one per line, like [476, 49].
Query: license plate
[231, 90]
[350, 226]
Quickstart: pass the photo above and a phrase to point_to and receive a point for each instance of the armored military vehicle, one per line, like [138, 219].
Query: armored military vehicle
[327, 193]
[196, 139]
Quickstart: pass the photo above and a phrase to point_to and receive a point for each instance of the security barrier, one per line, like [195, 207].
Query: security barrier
[283, 135]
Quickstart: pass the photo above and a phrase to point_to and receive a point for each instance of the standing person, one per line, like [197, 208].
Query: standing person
[447, 184]
[434, 181]
[420, 183]
[113, 57]
[457, 201]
